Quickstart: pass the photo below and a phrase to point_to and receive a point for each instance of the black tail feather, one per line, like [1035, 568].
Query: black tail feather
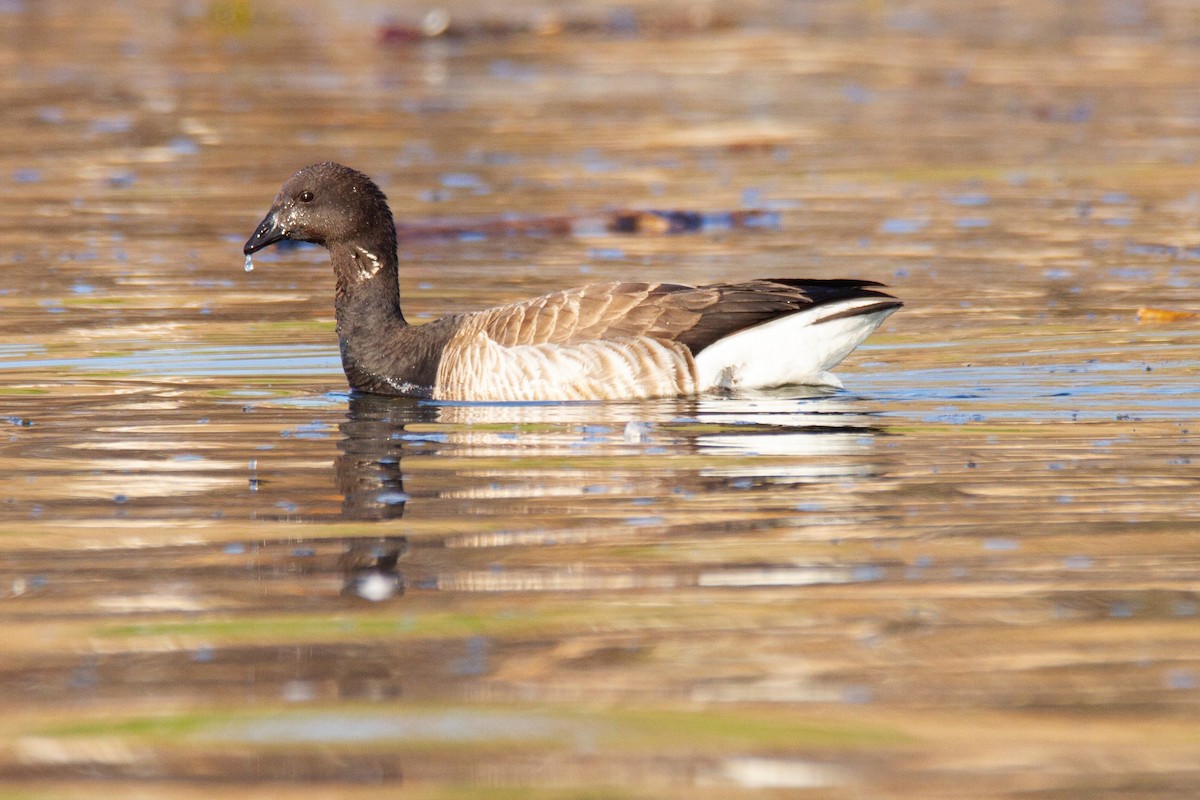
[746, 305]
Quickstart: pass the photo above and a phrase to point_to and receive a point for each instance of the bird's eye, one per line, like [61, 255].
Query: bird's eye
[306, 197]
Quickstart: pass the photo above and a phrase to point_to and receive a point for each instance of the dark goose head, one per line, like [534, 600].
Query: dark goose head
[343, 210]
[331, 205]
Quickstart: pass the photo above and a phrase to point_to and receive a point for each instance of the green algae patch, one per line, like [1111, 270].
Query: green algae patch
[22, 391]
[144, 727]
[716, 730]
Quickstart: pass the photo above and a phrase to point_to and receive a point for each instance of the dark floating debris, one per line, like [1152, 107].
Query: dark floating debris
[651, 222]
[642, 223]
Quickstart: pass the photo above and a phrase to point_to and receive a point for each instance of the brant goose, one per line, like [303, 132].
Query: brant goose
[607, 341]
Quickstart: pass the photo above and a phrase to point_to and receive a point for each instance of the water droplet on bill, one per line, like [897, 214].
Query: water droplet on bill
[249, 264]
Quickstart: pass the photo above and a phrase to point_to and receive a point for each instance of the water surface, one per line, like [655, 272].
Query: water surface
[972, 573]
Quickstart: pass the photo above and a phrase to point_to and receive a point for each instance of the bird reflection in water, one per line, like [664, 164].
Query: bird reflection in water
[368, 469]
[372, 486]
[799, 437]
[369, 570]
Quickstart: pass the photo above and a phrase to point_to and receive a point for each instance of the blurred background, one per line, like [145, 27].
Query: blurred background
[972, 573]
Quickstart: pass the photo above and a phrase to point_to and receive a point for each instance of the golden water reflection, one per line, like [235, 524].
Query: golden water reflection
[972, 574]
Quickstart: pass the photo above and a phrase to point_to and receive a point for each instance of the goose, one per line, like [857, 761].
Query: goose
[618, 340]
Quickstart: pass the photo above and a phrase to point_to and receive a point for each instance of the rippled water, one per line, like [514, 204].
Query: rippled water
[973, 573]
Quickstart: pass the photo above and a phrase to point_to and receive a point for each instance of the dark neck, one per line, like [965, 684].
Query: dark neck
[367, 307]
[368, 289]
[381, 352]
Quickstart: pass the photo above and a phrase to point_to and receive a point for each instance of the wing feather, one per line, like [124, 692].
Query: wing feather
[695, 316]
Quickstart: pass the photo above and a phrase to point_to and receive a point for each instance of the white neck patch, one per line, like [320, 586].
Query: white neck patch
[368, 265]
